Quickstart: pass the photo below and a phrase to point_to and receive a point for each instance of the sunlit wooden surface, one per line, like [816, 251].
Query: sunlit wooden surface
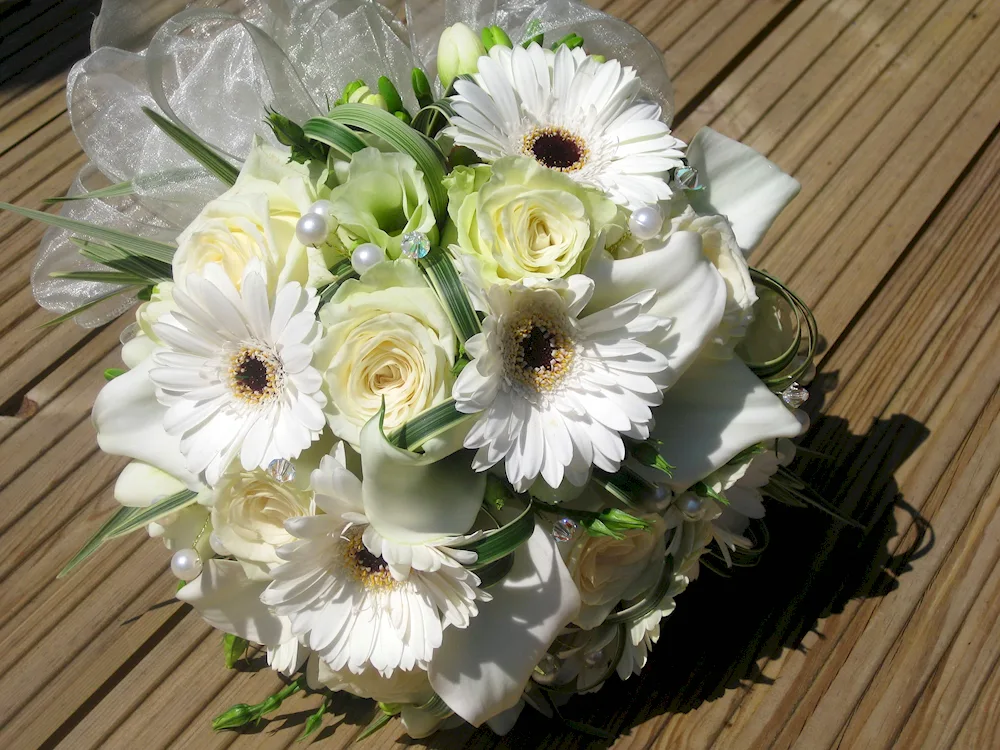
[887, 111]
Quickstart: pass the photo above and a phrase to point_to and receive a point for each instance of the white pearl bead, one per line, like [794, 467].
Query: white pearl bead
[217, 546]
[659, 499]
[185, 564]
[692, 506]
[312, 229]
[365, 256]
[645, 222]
[322, 207]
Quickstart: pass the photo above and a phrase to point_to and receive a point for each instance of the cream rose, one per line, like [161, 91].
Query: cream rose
[255, 219]
[387, 338]
[720, 247]
[522, 220]
[249, 511]
[607, 570]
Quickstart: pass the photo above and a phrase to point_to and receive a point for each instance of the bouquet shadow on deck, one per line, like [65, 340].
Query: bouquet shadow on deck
[725, 628]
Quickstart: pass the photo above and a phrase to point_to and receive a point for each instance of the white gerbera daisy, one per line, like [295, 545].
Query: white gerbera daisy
[572, 113]
[359, 600]
[236, 371]
[557, 391]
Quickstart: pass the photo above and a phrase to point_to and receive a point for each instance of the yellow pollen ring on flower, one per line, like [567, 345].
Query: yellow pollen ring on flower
[255, 375]
[556, 148]
[371, 571]
[538, 351]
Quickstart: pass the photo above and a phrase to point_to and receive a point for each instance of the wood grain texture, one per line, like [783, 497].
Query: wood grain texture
[888, 112]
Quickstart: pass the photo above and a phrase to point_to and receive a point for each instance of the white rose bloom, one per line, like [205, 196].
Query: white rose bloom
[255, 219]
[249, 512]
[719, 245]
[608, 570]
[386, 338]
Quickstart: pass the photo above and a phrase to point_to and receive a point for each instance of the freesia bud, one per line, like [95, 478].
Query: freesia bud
[458, 53]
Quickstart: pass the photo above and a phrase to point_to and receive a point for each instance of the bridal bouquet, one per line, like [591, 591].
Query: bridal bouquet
[448, 371]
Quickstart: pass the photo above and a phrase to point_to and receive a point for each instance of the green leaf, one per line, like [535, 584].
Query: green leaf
[130, 243]
[76, 311]
[233, 648]
[649, 601]
[424, 151]
[428, 424]
[126, 520]
[141, 517]
[334, 134]
[111, 191]
[342, 270]
[444, 280]
[376, 724]
[499, 543]
[625, 485]
[571, 40]
[152, 271]
[106, 277]
[200, 151]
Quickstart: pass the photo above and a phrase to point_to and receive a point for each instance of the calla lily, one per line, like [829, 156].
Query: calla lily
[140, 485]
[228, 600]
[691, 294]
[716, 410]
[413, 498]
[129, 422]
[481, 671]
[740, 184]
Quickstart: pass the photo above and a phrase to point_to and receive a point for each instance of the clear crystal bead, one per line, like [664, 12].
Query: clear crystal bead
[129, 332]
[686, 178]
[282, 470]
[415, 245]
[795, 395]
[593, 658]
[547, 670]
[564, 529]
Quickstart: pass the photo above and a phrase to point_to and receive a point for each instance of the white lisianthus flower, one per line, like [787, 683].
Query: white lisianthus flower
[557, 390]
[236, 374]
[607, 570]
[255, 221]
[459, 50]
[719, 245]
[380, 198]
[571, 113]
[524, 221]
[249, 510]
[388, 340]
[359, 599]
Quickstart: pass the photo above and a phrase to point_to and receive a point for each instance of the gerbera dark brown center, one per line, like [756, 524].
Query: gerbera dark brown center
[252, 373]
[255, 375]
[556, 148]
[538, 349]
[368, 569]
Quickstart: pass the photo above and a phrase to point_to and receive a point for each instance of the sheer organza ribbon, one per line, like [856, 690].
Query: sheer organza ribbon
[217, 73]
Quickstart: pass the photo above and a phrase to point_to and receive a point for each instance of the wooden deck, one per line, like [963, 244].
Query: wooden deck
[888, 112]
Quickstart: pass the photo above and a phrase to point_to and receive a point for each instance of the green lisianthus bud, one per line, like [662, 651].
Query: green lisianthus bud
[349, 90]
[494, 35]
[236, 716]
[113, 372]
[459, 51]
[393, 101]
[421, 87]
[572, 40]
